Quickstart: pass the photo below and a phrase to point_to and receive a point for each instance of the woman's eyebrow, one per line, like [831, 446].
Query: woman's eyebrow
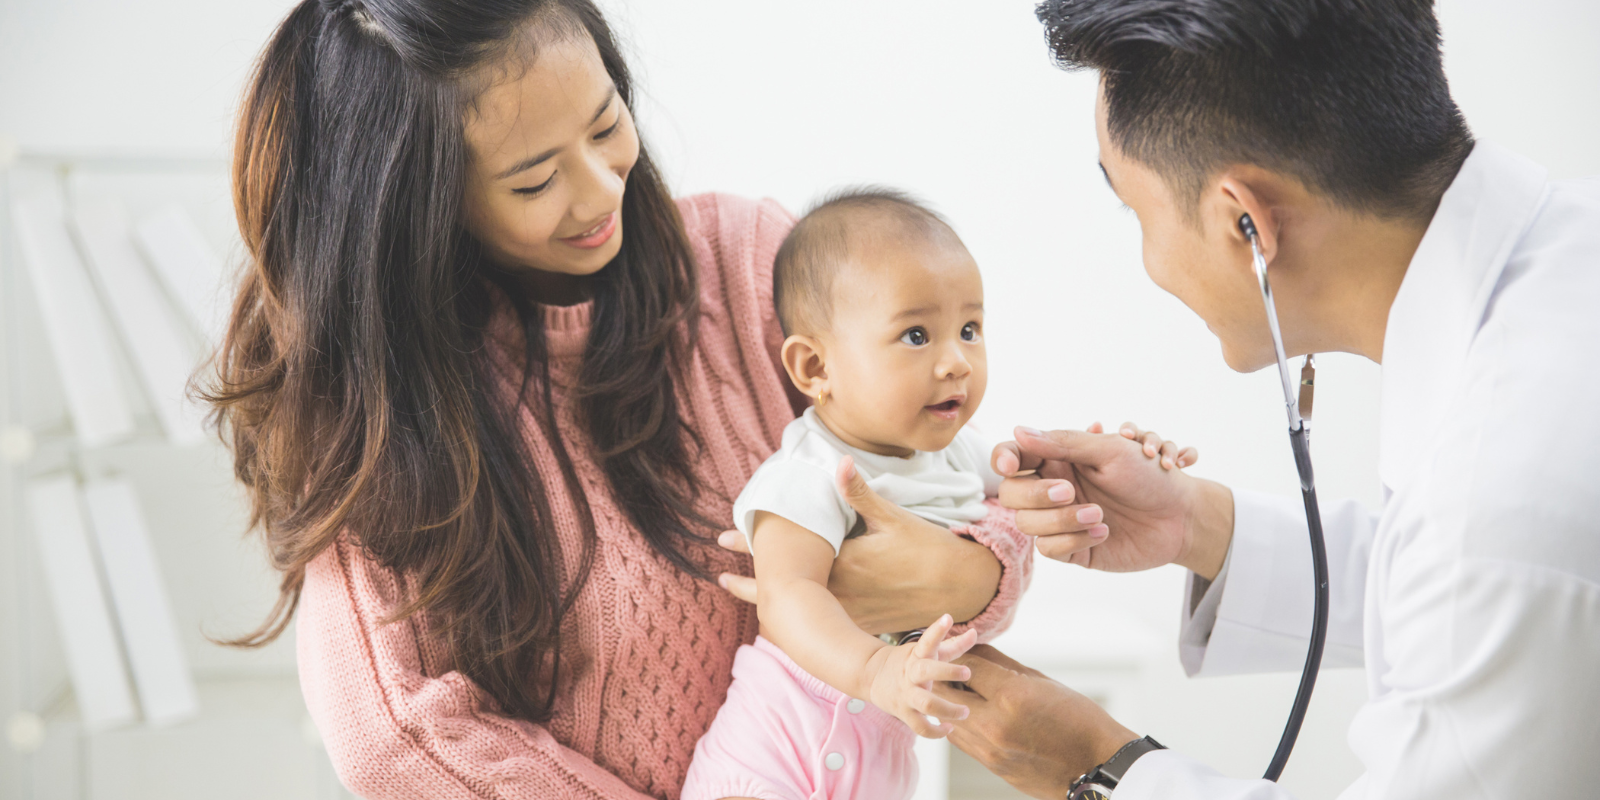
[529, 163]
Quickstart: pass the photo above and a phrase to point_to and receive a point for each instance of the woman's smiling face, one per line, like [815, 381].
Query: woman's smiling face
[551, 147]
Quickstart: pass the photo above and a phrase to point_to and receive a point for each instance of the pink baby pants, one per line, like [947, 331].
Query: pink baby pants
[784, 735]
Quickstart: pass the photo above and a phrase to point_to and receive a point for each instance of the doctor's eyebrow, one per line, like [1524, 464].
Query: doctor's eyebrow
[529, 163]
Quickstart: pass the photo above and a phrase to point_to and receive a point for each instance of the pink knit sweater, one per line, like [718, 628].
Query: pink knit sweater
[650, 649]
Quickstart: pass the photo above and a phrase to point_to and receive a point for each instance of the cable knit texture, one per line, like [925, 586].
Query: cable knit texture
[648, 650]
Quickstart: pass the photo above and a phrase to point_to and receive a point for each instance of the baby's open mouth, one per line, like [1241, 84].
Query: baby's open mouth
[948, 408]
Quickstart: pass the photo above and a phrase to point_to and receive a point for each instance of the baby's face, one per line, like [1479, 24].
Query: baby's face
[904, 352]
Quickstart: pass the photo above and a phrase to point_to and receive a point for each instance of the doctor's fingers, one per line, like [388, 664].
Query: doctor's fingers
[1072, 548]
[1074, 447]
[1032, 491]
[1066, 519]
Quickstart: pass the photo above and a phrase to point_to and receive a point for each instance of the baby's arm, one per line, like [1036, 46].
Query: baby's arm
[801, 616]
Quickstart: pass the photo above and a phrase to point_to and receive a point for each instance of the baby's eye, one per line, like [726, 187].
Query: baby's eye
[969, 332]
[916, 337]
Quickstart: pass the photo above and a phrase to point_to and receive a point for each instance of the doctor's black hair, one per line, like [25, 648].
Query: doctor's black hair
[1347, 96]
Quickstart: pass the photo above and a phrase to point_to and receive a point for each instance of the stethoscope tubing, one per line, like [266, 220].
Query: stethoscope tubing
[1300, 441]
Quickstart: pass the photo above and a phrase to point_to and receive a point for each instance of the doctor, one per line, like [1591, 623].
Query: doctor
[1472, 597]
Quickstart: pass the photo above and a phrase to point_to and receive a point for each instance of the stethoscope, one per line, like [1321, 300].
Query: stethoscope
[1300, 439]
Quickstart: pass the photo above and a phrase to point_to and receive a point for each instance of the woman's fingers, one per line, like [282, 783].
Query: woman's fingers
[733, 540]
[868, 503]
[1069, 547]
[1032, 491]
[1066, 519]
[739, 586]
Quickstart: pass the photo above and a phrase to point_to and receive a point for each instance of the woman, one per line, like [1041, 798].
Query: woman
[492, 391]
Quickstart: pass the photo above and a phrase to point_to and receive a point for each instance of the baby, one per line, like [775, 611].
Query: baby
[883, 309]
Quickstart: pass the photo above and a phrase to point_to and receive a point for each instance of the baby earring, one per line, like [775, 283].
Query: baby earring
[822, 399]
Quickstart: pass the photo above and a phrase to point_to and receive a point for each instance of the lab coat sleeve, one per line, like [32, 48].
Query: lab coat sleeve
[1489, 690]
[1256, 616]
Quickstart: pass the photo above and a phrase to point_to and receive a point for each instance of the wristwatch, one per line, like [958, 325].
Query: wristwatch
[1097, 783]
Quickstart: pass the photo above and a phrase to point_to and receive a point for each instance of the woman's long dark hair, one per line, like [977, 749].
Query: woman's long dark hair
[354, 380]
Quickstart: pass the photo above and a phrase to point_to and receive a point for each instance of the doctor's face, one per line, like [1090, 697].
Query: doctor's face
[1193, 255]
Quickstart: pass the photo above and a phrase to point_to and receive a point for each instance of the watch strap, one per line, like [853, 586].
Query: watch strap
[1109, 774]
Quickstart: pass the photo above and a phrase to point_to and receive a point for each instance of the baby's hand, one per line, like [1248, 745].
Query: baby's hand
[903, 682]
[1172, 457]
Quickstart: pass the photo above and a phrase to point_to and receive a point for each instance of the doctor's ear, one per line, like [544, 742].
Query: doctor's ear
[806, 362]
[1240, 204]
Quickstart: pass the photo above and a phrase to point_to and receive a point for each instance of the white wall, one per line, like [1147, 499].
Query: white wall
[956, 101]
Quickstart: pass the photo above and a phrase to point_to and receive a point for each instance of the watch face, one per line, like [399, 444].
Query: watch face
[1091, 791]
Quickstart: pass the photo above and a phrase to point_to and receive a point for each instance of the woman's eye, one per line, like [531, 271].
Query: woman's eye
[969, 332]
[533, 190]
[916, 337]
[606, 134]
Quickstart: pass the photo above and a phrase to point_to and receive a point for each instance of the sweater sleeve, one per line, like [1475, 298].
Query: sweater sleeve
[393, 731]
[1014, 549]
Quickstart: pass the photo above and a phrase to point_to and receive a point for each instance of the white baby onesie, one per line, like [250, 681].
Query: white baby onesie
[797, 482]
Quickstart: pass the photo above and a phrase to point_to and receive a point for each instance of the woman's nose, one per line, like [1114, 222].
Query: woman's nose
[597, 188]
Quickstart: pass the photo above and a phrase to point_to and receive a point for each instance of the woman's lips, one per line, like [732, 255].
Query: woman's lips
[948, 409]
[596, 236]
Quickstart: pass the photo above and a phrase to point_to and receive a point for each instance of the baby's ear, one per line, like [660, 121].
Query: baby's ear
[805, 361]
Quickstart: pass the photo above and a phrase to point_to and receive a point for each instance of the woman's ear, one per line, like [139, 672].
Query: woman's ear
[805, 361]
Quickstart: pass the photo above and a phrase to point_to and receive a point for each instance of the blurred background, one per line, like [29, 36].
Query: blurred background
[115, 124]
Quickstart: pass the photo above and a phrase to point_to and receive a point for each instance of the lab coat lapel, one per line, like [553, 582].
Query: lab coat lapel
[1443, 299]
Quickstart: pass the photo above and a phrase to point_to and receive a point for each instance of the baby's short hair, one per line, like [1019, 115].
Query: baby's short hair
[802, 275]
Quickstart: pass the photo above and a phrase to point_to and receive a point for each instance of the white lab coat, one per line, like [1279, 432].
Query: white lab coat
[1473, 598]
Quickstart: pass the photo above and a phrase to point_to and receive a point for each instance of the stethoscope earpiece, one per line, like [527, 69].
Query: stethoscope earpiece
[1248, 227]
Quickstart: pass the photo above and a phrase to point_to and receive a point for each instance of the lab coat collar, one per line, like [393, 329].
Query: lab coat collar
[1443, 298]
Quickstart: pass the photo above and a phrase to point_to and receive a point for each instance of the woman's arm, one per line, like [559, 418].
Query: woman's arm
[394, 732]
[906, 571]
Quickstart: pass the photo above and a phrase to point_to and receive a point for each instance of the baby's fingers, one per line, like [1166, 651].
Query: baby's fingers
[1188, 456]
[952, 649]
[928, 645]
[925, 728]
[926, 671]
[931, 705]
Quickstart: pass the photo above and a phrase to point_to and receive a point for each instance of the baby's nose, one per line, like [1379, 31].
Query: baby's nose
[954, 365]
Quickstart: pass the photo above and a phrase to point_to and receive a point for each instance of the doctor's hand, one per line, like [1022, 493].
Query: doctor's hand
[1114, 501]
[902, 573]
[1027, 728]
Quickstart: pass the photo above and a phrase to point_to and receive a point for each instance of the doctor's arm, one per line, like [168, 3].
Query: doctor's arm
[1249, 598]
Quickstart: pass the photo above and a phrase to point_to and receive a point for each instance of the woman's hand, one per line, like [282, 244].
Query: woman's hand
[1117, 502]
[902, 573]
